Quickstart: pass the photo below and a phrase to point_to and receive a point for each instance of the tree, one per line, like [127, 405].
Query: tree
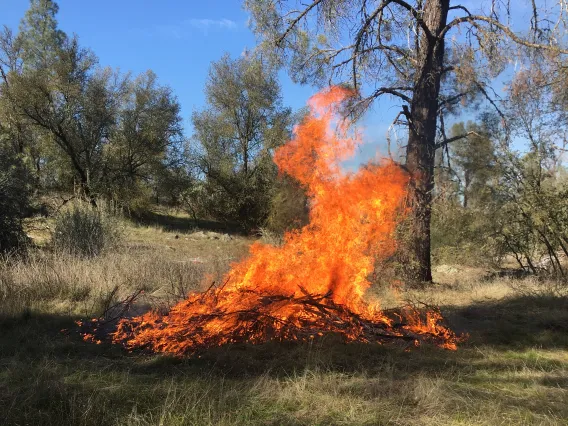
[24, 140]
[40, 38]
[398, 48]
[33, 57]
[73, 104]
[147, 138]
[14, 198]
[473, 161]
[465, 202]
[532, 223]
[236, 133]
[35, 47]
[80, 125]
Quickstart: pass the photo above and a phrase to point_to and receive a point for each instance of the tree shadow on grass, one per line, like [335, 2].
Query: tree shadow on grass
[49, 375]
[515, 323]
[184, 224]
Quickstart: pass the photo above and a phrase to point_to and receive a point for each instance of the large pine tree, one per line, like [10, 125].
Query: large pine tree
[429, 54]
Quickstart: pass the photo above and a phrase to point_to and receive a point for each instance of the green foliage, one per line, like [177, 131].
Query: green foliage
[235, 136]
[464, 236]
[144, 152]
[493, 204]
[288, 206]
[231, 199]
[85, 231]
[14, 200]
[73, 130]
[533, 223]
[40, 38]
[465, 207]
[473, 160]
[81, 126]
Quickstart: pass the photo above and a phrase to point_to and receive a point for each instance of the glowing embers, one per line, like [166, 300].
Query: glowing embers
[199, 323]
[314, 284]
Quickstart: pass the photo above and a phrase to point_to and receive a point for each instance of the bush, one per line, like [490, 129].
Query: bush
[85, 231]
[465, 236]
[288, 207]
[14, 202]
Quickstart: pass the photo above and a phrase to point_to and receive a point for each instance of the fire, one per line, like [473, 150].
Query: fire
[316, 281]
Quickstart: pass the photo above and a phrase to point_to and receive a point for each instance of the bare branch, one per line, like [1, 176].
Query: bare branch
[416, 15]
[358, 40]
[395, 91]
[452, 99]
[473, 19]
[454, 139]
[295, 21]
[465, 9]
[394, 122]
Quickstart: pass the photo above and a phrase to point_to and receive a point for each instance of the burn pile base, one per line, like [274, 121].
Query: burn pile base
[205, 320]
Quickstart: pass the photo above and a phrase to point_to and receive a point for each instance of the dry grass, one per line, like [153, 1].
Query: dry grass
[513, 370]
[166, 265]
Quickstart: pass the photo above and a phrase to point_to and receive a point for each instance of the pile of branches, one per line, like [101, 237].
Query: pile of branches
[198, 324]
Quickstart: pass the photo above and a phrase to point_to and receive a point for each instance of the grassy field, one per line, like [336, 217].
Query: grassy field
[513, 370]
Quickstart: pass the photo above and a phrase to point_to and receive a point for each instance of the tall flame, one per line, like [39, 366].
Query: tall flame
[282, 293]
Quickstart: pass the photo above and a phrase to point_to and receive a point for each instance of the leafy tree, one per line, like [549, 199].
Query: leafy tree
[54, 95]
[473, 160]
[22, 139]
[82, 126]
[39, 38]
[429, 54]
[516, 199]
[147, 138]
[289, 206]
[35, 47]
[14, 199]
[236, 133]
[464, 204]
[533, 221]
[532, 224]
[73, 105]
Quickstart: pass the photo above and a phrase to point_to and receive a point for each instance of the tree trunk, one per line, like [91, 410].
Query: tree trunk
[85, 183]
[420, 151]
[91, 198]
[467, 182]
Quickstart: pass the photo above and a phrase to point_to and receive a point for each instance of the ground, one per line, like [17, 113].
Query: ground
[512, 370]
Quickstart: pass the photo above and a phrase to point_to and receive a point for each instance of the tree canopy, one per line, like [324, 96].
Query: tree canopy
[236, 133]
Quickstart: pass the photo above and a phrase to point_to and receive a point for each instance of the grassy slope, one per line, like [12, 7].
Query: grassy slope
[512, 370]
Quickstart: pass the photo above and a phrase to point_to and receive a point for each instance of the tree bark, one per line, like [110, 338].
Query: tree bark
[420, 153]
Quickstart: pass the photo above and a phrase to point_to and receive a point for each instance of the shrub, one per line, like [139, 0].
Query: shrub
[14, 202]
[465, 236]
[85, 231]
[288, 207]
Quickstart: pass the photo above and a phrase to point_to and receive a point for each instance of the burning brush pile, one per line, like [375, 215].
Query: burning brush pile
[314, 284]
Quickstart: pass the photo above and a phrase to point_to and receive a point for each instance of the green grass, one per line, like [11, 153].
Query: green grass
[513, 370]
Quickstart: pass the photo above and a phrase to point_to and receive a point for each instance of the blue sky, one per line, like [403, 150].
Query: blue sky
[178, 39]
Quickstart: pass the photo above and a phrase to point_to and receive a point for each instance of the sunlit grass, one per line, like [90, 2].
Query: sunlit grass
[513, 370]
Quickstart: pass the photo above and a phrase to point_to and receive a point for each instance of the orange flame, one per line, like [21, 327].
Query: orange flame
[316, 281]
